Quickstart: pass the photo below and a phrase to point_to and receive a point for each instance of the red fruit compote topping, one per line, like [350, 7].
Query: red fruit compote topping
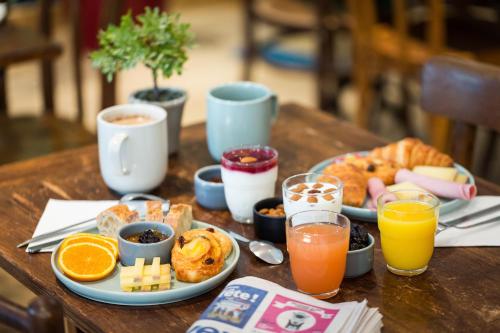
[252, 159]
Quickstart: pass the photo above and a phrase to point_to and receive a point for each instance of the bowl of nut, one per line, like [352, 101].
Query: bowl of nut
[269, 220]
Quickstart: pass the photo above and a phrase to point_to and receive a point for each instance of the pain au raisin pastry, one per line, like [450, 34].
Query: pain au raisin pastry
[375, 167]
[197, 255]
[224, 241]
[355, 183]
[411, 152]
[112, 219]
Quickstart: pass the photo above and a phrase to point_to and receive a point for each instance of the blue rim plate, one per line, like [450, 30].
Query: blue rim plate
[108, 290]
[368, 215]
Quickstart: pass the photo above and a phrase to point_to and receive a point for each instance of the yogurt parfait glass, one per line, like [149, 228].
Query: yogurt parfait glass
[312, 191]
[249, 174]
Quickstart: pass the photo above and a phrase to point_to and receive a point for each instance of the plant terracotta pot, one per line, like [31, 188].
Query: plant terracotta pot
[174, 108]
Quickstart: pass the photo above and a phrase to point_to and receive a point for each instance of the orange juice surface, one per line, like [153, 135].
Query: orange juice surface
[318, 254]
[407, 231]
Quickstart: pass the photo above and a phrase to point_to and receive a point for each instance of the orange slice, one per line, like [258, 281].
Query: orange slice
[86, 261]
[109, 243]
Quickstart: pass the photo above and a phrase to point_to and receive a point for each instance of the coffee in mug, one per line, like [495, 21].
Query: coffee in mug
[133, 151]
[131, 120]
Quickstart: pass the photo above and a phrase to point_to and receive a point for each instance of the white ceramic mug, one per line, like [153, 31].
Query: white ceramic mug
[133, 158]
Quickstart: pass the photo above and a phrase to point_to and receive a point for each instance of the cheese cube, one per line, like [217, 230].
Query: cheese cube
[138, 269]
[152, 277]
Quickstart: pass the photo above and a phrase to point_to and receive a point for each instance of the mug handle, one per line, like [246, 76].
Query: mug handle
[274, 108]
[115, 151]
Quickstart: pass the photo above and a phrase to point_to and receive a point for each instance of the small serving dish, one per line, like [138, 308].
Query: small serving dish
[360, 261]
[209, 188]
[268, 227]
[130, 250]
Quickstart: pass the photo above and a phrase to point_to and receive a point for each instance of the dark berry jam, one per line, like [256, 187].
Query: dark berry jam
[147, 237]
[251, 160]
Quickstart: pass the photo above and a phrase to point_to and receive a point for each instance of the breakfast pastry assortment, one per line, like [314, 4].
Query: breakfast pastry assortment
[403, 165]
[197, 254]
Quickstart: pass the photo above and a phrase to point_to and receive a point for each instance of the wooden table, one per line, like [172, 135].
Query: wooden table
[459, 292]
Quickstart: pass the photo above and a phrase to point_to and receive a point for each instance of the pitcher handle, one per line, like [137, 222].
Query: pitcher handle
[115, 150]
[274, 108]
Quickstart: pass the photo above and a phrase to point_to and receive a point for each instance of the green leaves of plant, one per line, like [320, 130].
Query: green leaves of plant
[158, 40]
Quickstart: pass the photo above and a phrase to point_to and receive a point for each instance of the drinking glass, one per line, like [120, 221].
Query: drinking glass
[312, 191]
[249, 175]
[407, 221]
[317, 242]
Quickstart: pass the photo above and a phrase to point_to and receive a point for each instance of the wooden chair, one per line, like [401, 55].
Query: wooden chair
[109, 13]
[43, 315]
[291, 16]
[19, 44]
[379, 47]
[468, 93]
[24, 137]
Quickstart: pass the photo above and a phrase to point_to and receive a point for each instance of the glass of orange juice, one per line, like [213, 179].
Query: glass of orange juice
[407, 221]
[317, 242]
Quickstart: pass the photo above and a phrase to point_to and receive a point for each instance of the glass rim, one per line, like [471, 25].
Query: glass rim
[344, 217]
[249, 146]
[436, 204]
[339, 185]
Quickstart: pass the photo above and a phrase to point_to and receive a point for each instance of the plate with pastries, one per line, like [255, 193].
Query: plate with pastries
[145, 256]
[403, 165]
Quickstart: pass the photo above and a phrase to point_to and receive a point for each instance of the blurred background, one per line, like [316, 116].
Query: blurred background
[358, 59]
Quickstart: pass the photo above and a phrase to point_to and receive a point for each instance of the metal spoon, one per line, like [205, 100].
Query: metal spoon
[262, 249]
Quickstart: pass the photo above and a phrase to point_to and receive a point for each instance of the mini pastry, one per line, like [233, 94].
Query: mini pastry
[180, 218]
[375, 167]
[411, 152]
[112, 219]
[355, 183]
[154, 211]
[196, 256]
[224, 241]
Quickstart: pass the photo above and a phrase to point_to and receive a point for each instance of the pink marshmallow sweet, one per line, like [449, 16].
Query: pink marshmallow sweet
[441, 188]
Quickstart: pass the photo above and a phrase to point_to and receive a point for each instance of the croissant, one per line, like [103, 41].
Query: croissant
[355, 184]
[411, 152]
[196, 256]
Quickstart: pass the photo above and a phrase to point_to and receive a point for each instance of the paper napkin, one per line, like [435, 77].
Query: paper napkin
[62, 213]
[483, 235]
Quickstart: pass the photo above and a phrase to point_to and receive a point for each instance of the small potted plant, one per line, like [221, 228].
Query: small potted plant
[159, 41]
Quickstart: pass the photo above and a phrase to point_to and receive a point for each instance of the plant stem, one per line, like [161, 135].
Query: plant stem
[156, 91]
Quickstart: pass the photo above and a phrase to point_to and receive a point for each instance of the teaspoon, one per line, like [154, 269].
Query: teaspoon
[262, 249]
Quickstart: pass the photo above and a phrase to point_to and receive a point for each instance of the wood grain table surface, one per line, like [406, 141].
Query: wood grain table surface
[460, 292]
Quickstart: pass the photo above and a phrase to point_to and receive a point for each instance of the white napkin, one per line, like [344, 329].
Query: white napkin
[483, 235]
[62, 213]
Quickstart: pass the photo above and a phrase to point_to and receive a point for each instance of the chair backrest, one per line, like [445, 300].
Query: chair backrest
[468, 93]
[110, 12]
[43, 315]
[364, 14]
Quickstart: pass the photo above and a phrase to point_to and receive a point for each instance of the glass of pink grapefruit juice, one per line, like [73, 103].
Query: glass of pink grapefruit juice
[317, 243]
